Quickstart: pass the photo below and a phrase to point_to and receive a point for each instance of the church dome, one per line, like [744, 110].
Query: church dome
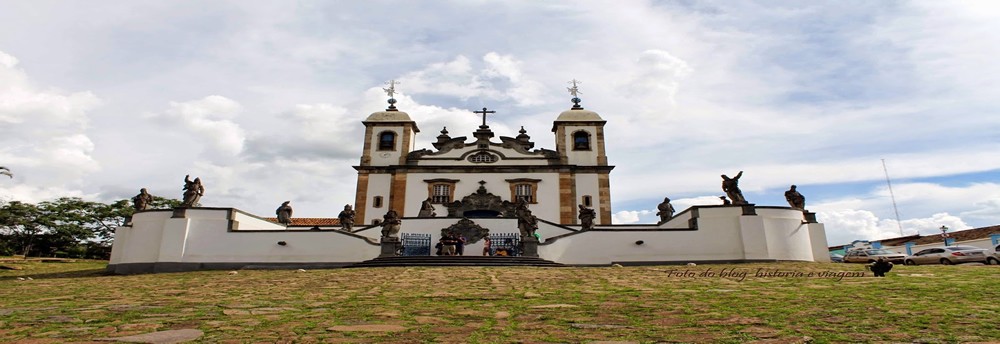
[389, 116]
[578, 115]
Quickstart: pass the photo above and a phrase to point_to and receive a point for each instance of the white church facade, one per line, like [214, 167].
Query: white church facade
[395, 175]
[473, 186]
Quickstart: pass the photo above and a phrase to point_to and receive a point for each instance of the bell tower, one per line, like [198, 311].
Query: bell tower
[389, 137]
[579, 135]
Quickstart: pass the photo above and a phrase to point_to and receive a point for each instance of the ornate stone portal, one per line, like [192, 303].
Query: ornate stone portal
[480, 204]
[468, 229]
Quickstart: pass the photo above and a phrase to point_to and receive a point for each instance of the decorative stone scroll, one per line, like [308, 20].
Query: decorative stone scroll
[467, 228]
[480, 202]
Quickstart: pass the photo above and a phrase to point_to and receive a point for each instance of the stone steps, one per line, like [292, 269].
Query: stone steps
[454, 261]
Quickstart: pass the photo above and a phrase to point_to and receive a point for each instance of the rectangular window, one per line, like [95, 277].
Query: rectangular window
[588, 201]
[377, 202]
[441, 193]
[523, 192]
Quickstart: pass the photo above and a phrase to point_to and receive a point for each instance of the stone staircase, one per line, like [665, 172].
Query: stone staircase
[454, 261]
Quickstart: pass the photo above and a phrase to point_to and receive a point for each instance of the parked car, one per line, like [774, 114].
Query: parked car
[836, 257]
[995, 257]
[872, 255]
[948, 255]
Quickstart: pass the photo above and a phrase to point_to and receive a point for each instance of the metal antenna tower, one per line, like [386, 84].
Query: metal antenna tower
[893, 196]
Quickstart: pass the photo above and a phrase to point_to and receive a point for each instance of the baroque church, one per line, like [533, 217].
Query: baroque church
[394, 175]
[493, 191]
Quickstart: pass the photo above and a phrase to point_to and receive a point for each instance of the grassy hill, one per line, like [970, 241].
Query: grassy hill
[772, 303]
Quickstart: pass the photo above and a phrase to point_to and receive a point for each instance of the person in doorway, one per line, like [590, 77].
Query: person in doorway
[448, 243]
[460, 245]
[487, 245]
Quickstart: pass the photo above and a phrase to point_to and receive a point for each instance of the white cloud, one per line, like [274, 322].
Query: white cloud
[499, 78]
[657, 78]
[629, 216]
[845, 226]
[43, 135]
[210, 118]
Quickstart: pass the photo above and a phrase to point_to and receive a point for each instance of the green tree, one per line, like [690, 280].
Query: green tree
[19, 222]
[66, 226]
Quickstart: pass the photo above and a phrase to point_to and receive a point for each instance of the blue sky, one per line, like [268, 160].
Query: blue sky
[263, 99]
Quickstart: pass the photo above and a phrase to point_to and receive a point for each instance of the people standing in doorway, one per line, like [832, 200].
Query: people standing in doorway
[460, 245]
[487, 245]
[448, 243]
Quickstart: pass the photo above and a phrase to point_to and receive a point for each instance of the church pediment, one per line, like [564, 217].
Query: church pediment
[476, 153]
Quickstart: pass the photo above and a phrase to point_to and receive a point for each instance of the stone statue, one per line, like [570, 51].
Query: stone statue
[142, 201]
[526, 222]
[284, 213]
[666, 210]
[587, 217]
[193, 190]
[346, 218]
[427, 209]
[732, 188]
[390, 224]
[795, 199]
[725, 201]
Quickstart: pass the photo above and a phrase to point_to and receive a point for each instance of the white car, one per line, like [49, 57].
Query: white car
[872, 255]
[948, 255]
[995, 257]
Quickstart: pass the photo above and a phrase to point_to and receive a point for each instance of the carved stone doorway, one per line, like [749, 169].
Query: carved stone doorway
[480, 204]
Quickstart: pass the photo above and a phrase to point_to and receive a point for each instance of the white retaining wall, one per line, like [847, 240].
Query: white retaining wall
[225, 235]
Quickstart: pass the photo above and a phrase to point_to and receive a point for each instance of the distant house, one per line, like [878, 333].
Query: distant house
[983, 237]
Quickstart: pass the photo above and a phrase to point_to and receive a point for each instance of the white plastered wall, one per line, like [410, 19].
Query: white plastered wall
[203, 236]
[723, 233]
[379, 184]
[587, 185]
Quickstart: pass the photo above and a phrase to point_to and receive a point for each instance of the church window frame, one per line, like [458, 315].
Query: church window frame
[581, 140]
[483, 157]
[387, 140]
[588, 201]
[441, 191]
[377, 202]
[524, 189]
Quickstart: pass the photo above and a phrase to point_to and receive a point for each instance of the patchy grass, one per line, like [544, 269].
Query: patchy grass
[77, 302]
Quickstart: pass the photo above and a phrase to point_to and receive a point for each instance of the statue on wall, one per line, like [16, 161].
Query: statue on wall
[666, 210]
[346, 218]
[142, 201]
[526, 222]
[284, 213]
[390, 224]
[725, 201]
[587, 217]
[193, 190]
[732, 188]
[795, 199]
[427, 209]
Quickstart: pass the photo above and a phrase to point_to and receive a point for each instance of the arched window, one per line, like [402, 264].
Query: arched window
[588, 201]
[387, 140]
[581, 140]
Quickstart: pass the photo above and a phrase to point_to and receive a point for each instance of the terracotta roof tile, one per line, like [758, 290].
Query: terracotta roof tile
[959, 236]
[310, 221]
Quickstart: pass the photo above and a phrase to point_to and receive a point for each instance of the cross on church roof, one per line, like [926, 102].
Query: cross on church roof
[484, 112]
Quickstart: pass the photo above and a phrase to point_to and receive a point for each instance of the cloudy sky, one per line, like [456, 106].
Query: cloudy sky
[264, 99]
